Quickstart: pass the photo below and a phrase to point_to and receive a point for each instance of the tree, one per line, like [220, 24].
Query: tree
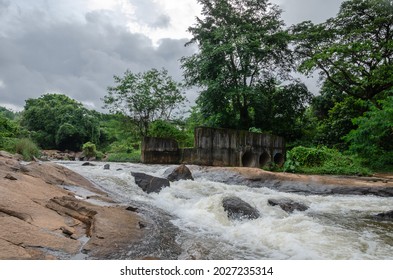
[372, 139]
[353, 51]
[242, 45]
[280, 107]
[8, 128]
[145, 97]
[59, 122]
[7, 113]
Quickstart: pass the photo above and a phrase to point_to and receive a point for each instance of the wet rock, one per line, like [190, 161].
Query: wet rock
[150, 183]
[107, 166]
[132, 209]
[180, 173]
[236, 208]
[88, 164]
[385, 216]
[10, 177]
[288, 205]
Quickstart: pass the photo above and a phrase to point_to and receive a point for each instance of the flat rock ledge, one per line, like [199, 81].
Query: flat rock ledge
[41, 219]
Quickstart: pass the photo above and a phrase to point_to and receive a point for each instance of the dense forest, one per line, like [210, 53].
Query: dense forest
[245, 70]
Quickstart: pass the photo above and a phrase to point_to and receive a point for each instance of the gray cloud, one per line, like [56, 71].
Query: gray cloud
[41, 50]
[149, 13]
[77, 58]
[314, 10]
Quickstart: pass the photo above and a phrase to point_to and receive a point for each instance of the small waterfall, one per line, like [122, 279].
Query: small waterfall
[334, 227]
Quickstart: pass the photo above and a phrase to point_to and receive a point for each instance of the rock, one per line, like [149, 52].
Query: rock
[88, 164]
[107, 166]
[385, 215]
[150, 183]
[288, 205]
[132, 209]
[180, 173]
[236, 208]
[10, 177]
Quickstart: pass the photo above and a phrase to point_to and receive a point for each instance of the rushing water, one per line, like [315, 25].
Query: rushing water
[334, 227]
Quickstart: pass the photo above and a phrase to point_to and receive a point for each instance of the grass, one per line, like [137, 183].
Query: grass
[134, 157]
[27, 148]
[322, 160]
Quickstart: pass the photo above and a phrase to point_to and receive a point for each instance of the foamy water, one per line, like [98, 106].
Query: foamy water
[334, 227]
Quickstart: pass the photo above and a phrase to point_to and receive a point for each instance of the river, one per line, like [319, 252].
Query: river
[334, 226]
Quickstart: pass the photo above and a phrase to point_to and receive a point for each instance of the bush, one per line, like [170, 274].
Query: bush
[372, 140]
[163, 129]
[322, 160]
[89, 149]
[134, 157]
[27, 148]
[8, 144]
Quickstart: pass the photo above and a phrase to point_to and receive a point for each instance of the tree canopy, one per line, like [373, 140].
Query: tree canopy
[353, 51]
[145, 97]
[242, 46]
[59, 122]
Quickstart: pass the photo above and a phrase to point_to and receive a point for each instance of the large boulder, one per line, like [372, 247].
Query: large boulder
[288, 205]
[237, 208]
[150, 183]
[180, 173]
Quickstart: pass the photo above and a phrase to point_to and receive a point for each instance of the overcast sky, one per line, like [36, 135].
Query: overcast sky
[76, 46]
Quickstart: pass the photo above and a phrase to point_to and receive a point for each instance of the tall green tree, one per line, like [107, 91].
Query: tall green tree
[372, 139]
[59, 122]
[145, 97]
[353, 51]
[242, 45]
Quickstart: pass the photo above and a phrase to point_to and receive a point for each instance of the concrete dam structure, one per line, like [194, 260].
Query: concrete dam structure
[217, 147]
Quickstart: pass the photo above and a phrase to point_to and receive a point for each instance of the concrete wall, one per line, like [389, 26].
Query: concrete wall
[160, 150]
[218, 147]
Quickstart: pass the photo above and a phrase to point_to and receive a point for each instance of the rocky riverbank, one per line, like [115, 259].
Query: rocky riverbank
[379, 184]
[50, 212]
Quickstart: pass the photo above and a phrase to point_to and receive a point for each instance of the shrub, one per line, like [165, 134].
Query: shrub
[322, 160]
[27, 148]
[372, 140]
[89, 149]
[165, 129]
[134, 157]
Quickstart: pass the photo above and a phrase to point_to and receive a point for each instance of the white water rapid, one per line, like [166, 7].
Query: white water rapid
[334, 227]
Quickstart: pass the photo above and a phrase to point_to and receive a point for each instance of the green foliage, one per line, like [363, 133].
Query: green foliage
[27, 148]
[278, 108]
[255, 130]
[59, 122]
[7, 113]
[339, 123]
[9, 131]
[145, 97]
[8, 128]
[89, 149]
[373, 138]
[353, 50]
[323, 160]
[164, 129]
[134, 156]
[242, 47]
[8, 144]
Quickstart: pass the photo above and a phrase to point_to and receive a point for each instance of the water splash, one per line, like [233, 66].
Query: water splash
[334, 227]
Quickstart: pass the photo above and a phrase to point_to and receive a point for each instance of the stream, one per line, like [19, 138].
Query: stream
[334, 226]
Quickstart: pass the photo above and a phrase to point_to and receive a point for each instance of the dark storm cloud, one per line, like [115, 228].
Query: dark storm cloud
[77, 58]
